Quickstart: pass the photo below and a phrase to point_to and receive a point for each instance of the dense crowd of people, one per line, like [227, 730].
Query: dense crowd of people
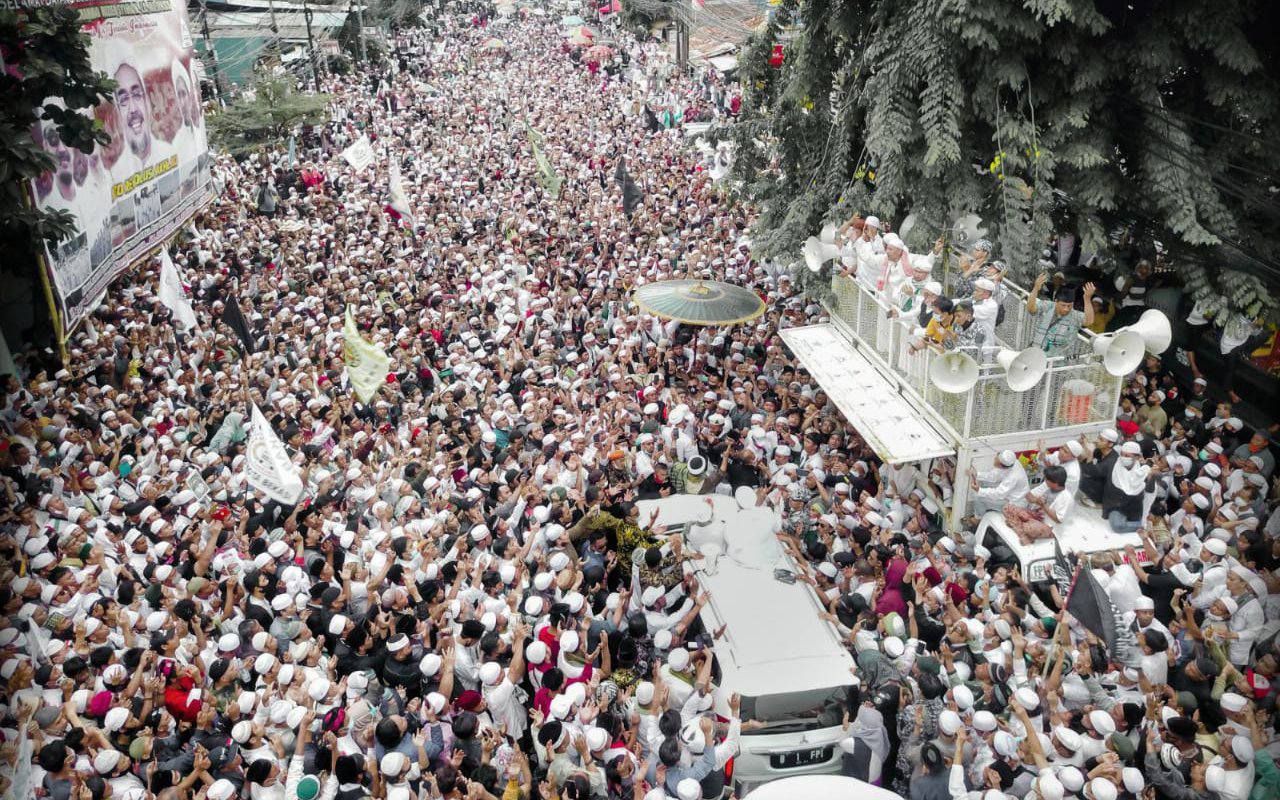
[466, 602]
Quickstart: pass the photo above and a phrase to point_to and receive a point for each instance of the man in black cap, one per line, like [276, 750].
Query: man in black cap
[1197, 678]
[1056, 325]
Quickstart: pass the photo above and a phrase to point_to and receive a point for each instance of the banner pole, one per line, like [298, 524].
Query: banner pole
[58, 334]
[42, 266]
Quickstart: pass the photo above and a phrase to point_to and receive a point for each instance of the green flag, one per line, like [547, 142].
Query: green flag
[366, 364]
[547, 177]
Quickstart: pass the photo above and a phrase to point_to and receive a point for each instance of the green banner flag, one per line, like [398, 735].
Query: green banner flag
[367, 366]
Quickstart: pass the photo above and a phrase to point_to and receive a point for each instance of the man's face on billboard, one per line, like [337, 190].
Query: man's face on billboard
[62, 155]
[184, 101]
[131, 100]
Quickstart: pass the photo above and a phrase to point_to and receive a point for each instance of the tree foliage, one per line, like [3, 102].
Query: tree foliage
[45, 55]
[1040, 115]
[266, 118]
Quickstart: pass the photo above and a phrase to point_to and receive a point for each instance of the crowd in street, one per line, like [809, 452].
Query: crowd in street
[466, 602]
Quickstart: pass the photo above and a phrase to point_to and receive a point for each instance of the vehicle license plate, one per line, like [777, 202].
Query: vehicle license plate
[800, 758]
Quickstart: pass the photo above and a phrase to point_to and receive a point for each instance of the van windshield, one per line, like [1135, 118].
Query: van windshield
[796, 711]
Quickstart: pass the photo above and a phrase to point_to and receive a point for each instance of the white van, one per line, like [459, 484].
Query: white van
[1083, 533]
[821, 787]
[787, 663]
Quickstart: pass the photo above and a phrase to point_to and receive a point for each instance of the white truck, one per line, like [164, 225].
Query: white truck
[787, 663]
[1084, 533]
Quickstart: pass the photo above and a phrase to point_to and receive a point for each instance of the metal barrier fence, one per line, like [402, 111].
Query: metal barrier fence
[1074, 390]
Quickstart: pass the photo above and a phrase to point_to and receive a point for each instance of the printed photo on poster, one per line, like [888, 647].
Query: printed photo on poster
[133, 192]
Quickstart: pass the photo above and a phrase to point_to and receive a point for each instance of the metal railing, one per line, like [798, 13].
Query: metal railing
[1075, 389]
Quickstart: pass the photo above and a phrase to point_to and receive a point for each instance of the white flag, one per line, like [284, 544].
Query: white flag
[399, 199]
[360, 154]
[267, 464]
[172, 294]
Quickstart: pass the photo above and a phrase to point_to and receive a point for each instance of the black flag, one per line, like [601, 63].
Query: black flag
[1091, 605]
[651, 120]
[631, 194]
[1062, 572]
[234, 317]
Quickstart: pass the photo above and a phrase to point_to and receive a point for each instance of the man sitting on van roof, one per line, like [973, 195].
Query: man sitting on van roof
[1042, 508]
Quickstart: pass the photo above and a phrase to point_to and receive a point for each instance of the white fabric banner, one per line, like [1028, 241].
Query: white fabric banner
[399, 198]
[172, 294]
[267, 465]
[367, 366]
[360, 154]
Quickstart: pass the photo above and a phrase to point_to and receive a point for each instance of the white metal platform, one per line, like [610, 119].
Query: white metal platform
[888, 420]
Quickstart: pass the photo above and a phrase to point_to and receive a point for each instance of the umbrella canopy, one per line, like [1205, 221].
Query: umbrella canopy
[494, 44]
[699, 302]
[572, 21]
[599, 52]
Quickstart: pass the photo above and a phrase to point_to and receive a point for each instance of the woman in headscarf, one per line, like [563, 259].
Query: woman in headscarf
[866, 747]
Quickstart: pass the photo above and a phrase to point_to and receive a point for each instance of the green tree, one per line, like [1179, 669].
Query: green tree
[45, 55]
[266, 119]
[1160, 118]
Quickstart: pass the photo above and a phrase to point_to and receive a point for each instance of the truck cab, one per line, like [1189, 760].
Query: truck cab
[1084, 533]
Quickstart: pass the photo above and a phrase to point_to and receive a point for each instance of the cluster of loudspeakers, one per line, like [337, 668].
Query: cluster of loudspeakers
[1121, 353]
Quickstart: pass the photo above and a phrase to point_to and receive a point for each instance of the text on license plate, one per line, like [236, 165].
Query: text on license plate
[800, 758]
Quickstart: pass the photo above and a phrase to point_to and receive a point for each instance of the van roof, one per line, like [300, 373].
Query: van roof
[774, 640]
[804, 787]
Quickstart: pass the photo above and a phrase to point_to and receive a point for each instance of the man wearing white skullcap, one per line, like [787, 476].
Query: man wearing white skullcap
[1004, 482]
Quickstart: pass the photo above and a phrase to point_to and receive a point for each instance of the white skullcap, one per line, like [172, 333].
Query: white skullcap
[1048, 786]
[490, 671]
[893, 647]
[645, 691]
[242, 731]
[106, 760]
[318, 688]
[678, 659]
[435, 702]
[221, 789]
[1072, 778]
[1007, 457]
[537, 652]
[393, 764]
[689, 789]
[1102, 789]
[1067, 738]
[949, 722]
[115, 719]
[1134, 781]
[430, 664]
[1233, 702]
[1102, 722]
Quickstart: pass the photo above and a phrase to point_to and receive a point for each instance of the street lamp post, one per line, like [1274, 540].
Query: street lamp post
[311, 45]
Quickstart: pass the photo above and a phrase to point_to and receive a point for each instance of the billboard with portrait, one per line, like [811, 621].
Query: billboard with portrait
[130, 195]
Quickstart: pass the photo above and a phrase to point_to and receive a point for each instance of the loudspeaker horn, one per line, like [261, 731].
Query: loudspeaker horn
[820, 249]
[1153, 327]
[953, 373]
[967, 230]
[1022, 368]
[1121, 351]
